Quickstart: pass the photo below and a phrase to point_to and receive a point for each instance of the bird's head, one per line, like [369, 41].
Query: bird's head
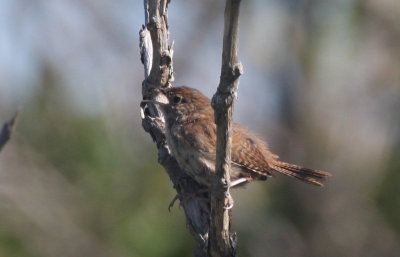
[182, 102]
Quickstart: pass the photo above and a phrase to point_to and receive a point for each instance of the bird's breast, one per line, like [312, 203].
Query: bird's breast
[192, 156]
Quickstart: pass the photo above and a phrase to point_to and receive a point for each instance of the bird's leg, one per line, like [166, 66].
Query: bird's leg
[235, 183]
[192, 195]
[239, 181]
[196, 194]
[171, 204]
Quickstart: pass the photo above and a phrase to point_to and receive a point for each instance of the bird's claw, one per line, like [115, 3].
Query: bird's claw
[229, 205]
[183, 197]
[172, 203]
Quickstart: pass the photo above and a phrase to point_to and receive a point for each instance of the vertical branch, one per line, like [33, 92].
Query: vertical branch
[5, 132]
[221, 242]
[156, 56]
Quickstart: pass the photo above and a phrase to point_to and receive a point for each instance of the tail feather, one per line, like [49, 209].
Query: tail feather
[304, 174]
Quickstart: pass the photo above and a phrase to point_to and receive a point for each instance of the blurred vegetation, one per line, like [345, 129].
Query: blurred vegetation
[387, 196]
[80, 176]
[123, 200]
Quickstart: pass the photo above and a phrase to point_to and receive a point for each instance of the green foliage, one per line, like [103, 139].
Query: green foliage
[126, 193]
[388, 196]
[13, 246]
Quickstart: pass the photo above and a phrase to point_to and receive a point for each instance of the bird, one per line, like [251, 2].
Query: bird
[191, 135]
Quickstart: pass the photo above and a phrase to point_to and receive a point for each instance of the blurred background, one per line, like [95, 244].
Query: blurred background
[80, 176]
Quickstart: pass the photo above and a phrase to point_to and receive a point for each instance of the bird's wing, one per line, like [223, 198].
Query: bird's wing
[250, 152]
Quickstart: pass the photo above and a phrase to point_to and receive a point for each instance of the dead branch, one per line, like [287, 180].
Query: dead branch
[156, 56]
[221, 242]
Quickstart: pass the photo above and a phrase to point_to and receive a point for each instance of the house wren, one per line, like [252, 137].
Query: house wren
[191, 136]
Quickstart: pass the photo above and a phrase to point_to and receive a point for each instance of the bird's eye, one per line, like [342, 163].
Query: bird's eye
[176, 99]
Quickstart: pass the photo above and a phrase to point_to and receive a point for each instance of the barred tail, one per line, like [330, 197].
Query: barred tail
[304, 174]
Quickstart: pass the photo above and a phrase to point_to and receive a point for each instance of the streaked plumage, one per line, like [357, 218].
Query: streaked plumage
[191, 136]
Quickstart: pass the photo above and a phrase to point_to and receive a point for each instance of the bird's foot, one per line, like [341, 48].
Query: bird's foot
[230, 203]
[172, 203]
[186, 196]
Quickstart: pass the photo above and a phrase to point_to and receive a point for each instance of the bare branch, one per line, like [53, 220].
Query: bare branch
[6, 131]
[221, 242]
[156, 56]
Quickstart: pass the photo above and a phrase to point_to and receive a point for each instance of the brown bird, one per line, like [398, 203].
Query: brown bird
[191, 136]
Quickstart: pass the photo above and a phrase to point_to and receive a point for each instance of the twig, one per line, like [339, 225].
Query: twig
[221, 242]
[6, 131]
[156, 56]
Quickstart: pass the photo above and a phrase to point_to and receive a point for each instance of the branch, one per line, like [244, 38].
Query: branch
[221, 242]
[6, 131]
[156, 56]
